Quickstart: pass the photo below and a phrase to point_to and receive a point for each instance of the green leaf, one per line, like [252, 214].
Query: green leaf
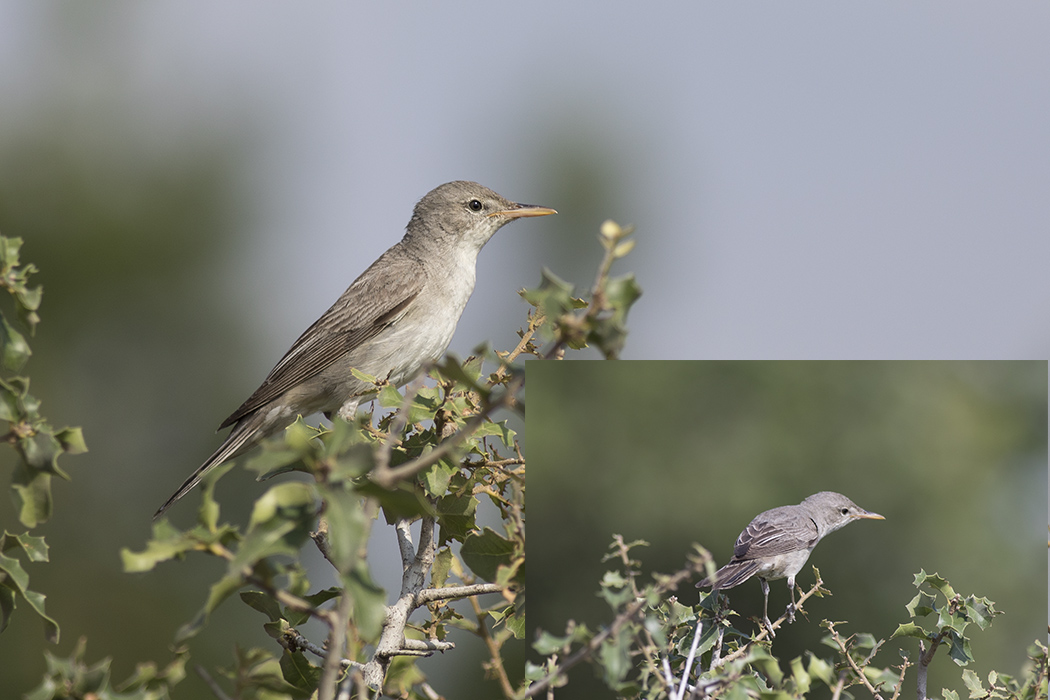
[14, 350]
[34, 547]
[274, 458]
[982, 611]
[262, 602]
[347, 526]
[910, 629]
[959, 651]
[941, 584]
[71, 440]
[614, 590]
[466, 375]
[921, 605]
[390, 397]
[553, 298]
[516, 625]
[767, 666]
[300, 673]
[36, 602]
[500, 429]
[435, 479]
[506, 574]
[403, 502]
[615, 657]
[352, 462]
[283, 509]
[10, 403]
[485, 553]
[819, 668]
[973, 683]
[40, 451]
[166, 543]
[361, 376]
[298, 617]
[369, 602]
[621, 293]
[15, 576]
[609, 333]
[32, 495]
[547, 643]
[455, 515]
[14, 583]
[442, 565]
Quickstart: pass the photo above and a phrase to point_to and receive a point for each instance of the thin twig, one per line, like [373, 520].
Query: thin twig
[337, 624]
[837, 692]
[852, 664]
[689, 659]
[496, 659]
[210, 682]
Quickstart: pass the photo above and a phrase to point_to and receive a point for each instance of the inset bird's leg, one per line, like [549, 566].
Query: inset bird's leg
[791, 608]
[765, 608]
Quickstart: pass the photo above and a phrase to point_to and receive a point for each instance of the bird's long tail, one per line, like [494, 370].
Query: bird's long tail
[732, 574]
[244, 435]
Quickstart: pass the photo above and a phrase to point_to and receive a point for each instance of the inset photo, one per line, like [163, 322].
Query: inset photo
[815, 521]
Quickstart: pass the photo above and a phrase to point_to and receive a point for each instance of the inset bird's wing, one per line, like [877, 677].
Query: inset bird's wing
[375, 300]
[771, 534]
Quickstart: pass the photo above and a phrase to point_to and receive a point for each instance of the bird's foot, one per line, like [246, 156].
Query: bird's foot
[769, 626]
[790, 612]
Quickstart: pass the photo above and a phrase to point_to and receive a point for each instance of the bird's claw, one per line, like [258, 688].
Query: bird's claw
[769, 627]
[790, 613]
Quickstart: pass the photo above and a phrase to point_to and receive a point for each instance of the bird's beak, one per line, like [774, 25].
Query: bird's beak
[868, 515]
[522, 210]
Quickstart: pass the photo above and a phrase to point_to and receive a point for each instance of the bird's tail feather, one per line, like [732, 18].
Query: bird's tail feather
[243, 435]
[730, 575]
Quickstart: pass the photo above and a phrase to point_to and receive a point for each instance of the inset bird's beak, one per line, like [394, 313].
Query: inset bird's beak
[522, 210]
[868, 515]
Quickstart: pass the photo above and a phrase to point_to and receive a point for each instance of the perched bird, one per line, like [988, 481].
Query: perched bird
[395, 318]
[777, 543]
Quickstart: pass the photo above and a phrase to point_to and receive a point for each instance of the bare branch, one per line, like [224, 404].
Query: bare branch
[392, 640]
[337, 623]
[210, 682]
[429, 595]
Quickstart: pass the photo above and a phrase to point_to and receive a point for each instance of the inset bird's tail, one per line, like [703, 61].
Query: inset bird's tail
[730, 575]
[243, 435]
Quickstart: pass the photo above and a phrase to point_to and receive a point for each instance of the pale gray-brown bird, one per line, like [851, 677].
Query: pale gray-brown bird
[777, 543]
[397, 317]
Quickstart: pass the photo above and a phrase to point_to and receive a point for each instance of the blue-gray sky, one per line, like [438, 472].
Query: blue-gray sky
[809, 180]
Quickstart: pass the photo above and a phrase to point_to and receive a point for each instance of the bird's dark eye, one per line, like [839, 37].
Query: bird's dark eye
[845, 511]
[474, 204]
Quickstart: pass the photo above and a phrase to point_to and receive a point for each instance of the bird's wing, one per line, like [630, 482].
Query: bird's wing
[375, 300]
[768, 535]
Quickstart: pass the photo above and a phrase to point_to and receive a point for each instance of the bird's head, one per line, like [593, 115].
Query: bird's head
[465, 214]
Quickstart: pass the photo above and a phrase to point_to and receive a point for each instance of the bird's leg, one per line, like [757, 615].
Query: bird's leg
[765, 608]
[791, 608]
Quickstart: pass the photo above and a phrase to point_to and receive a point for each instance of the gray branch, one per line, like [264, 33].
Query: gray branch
[429, 595]
[416, 564]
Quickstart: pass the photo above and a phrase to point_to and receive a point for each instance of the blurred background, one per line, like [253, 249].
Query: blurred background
[953, 454]
[198, 182]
